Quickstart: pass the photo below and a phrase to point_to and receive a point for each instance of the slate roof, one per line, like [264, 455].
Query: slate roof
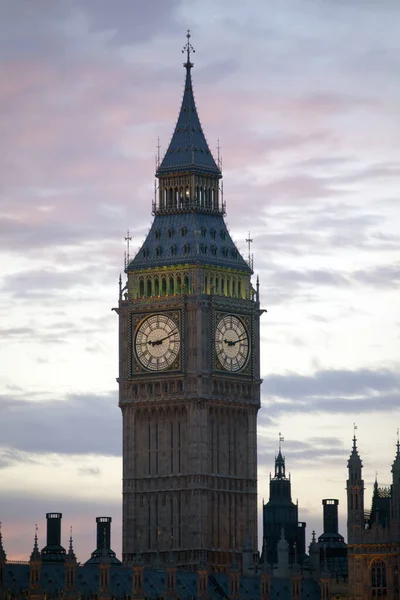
[16, 579]
[188, 149]
[188, 238]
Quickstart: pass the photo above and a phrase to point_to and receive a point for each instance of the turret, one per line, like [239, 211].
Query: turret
[35, 566]
[355, 496]
[395, 493]
[170, 571]
[138, 572]
[70, 590]
[234, 579]
[314, 555]
[202, 577]
[283, 556]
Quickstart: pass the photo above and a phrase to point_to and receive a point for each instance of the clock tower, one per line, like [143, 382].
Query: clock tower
[189, 372]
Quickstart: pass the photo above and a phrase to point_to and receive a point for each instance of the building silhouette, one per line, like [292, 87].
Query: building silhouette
[189, 380]
[189, 374]
[373, 536]
[280, 513]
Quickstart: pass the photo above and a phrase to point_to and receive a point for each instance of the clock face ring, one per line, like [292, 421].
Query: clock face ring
[232, 343]
[157, 342]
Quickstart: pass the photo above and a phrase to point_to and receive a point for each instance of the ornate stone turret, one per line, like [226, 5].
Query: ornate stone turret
[234, 579]
[35, 564]
[265, 582]
[170, 571]
[395, 493]
[138, 572]
[280, 512]
[296, 577]
[202, 577]
[70, 591]
[314, 554]
[283, 556]
[355, 496]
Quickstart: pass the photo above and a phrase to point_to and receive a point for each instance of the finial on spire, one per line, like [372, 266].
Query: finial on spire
[188, 48]
[128, 239]
[281, 439]
[398, 442]
[354, 437]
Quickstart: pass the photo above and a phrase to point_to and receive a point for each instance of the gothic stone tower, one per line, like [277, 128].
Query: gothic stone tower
[189, 371]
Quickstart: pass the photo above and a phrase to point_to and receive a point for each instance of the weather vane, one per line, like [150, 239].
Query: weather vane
[281, 439]
[188, 48]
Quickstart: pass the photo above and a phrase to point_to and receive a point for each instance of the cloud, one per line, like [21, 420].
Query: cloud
[333, 391]
[75, 424]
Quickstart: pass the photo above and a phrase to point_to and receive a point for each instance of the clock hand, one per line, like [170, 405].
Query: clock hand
[231, 343]
[159, 342]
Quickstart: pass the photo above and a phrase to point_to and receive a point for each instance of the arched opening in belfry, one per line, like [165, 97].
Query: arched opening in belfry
[206, 284]
[179, 284]
[148, 293]
[170, 197]
[171, 285]
[186, 284]
[156, 286]
[163, 286]
[176, 194]
[141, 288]
[234, 287]
[217, 285]
[228, 286]
[239, 288]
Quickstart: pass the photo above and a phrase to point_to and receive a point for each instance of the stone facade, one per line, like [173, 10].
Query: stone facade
[373, 537]
[189, 396]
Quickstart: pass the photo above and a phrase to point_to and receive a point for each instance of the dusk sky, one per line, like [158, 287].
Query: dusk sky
[304, 96]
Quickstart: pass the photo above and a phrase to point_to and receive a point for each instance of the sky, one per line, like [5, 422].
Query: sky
[304, 97]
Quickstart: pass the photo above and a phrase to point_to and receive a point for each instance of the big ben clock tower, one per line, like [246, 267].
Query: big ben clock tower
[189, 373]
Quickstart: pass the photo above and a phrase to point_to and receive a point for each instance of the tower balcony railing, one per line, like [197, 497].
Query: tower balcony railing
[184, 205]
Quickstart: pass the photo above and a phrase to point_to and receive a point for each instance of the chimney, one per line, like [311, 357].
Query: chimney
[103, 533]
[53, 529]
[331, 524]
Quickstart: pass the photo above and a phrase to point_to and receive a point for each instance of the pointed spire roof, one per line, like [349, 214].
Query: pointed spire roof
[3, 555]
[188, 150]
[71, 554]
[354, 459]
[35, 555]
[396, 462]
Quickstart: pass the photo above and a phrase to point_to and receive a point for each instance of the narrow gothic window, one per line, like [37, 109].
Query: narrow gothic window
[158, 251]
[170, 233]
[378, 575]
[173, 250]
[157, 234]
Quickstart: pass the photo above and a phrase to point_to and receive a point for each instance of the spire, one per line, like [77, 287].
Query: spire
[3, 555]
[280, 461]
[354, 459]
[396, 462]
[35, 552]
[188, 150]
[71, 553]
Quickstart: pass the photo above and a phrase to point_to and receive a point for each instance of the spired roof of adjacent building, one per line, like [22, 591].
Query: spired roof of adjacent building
[188, 149]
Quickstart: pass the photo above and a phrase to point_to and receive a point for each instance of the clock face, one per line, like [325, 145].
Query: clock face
[231, 343]
[157, 342]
